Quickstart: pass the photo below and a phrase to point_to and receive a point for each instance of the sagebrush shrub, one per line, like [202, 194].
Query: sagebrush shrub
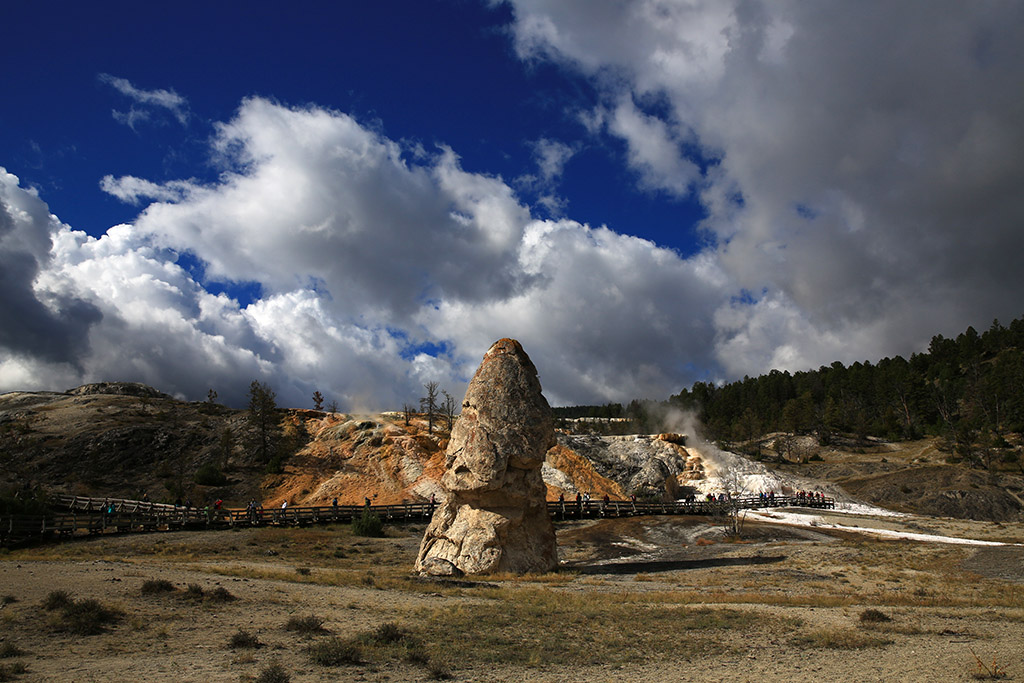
[335, 652]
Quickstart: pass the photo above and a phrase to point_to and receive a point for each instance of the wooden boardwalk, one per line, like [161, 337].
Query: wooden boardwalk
[76, 515]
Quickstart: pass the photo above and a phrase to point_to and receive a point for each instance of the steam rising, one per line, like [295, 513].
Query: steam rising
[725, 472]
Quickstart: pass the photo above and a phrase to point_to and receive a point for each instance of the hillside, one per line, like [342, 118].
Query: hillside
[129, 440]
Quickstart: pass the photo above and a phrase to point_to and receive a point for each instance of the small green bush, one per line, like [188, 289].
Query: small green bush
[368, 524]
[210, 475]
[276, 465]
[335, 652]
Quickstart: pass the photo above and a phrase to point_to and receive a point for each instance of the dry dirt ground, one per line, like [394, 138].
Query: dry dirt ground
[651, 599]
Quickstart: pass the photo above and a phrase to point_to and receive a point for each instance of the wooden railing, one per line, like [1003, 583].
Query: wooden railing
[81, 515]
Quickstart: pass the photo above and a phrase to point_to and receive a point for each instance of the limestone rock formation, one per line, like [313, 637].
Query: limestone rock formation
[647, 466]
[494, 517]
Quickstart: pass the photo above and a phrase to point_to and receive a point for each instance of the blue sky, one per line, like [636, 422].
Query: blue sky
[361, 197]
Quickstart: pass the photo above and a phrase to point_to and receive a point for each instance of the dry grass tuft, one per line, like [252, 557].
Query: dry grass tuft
[274, 672]
[873, 616]
[194, 592]
[220, 594]
[243, 640]
[8, 650]
[838, 639]
[8, 672]
[335, 652]
[535, 627]
[84, 617]
[156, 586]
[311, 625]
[57, 600]
[984, 672]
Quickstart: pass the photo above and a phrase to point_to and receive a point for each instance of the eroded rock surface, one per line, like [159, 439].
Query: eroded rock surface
[494, 517]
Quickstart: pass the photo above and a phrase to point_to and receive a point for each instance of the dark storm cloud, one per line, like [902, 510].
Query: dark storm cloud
[52, 327]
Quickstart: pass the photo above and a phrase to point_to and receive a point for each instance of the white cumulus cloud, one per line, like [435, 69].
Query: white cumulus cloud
[861, 174]
[378, 270]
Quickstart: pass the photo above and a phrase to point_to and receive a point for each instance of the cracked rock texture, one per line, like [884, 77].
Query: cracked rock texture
[494, 517]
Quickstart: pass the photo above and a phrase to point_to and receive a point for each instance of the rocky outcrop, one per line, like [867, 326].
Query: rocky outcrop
[136, 389]
[494, 517]
[645, 466]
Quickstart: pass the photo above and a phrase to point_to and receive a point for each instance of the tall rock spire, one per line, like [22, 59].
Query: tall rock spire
[495, 518]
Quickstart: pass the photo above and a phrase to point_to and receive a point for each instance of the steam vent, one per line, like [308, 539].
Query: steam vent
[495, 518]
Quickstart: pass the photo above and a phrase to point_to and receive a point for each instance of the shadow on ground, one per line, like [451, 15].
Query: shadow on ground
[654, 566]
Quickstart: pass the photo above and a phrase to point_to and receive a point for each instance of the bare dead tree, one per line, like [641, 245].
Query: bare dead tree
[448, 409]
[428, 404]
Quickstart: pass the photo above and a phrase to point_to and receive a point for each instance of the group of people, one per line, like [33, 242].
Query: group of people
[253, 510]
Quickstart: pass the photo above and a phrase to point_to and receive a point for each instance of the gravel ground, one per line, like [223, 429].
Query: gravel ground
[945, 603]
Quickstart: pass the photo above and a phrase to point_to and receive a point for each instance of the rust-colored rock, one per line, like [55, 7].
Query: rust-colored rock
[494, 517]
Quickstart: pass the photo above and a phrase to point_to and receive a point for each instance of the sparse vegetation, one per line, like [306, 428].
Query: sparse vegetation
[9, 672]
[335, 652]
[210, 475]
[838, 639]
[242, 639]
[274, 672]
[157, 586]
[368, 524]
[220, 594]
[86, 617]
[57, 599]
[307, 625]
[873, 616]
[388, 634]
[530, 627]
[8, 650]
[987, 672]
[194, 592]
